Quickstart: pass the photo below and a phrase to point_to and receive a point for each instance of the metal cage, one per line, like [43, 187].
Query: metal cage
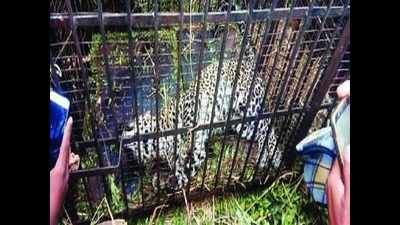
[121, 59]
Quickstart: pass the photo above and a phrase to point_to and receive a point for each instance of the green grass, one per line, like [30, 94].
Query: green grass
[284, 202]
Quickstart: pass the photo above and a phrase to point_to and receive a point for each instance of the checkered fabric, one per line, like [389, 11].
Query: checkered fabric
[318, 151]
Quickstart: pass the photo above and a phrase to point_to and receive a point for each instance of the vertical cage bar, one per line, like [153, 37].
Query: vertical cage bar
[81, 64]
[220, 64]
[198, 82]
[298, 85]
[134, 93]
[266, 91]
[257, 4]
[322, 88]
[342, 41]
[263, 6]
[157, 91]
[326, 36]
[303, 74]
[265, 52]
[85, 186]
[257, 65]
[105, 52]
[283, 87]
[178, 80]
[252, 5]
[242, 50]
[69, 200]
[332, 106]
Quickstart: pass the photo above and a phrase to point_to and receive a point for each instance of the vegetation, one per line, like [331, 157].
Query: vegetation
[284, 202]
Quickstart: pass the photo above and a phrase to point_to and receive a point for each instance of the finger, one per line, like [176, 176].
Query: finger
[63, 158]
[346, 170]
[73, 162]
[343, 90]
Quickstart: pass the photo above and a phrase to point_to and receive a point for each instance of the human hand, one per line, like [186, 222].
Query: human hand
[59, 175]
[338, 184]
[73, 162]
[343, 90]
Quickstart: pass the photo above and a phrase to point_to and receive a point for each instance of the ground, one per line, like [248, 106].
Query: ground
[285, 202]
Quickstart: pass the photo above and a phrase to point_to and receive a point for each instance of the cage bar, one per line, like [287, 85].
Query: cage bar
[343, 41]
[198, 78]
[266, 89]
[85, 77]
[288, 70]
[157, 91]
[220, 63]
[303, 74]
[259, 58]
[178, 80]
[145, 20]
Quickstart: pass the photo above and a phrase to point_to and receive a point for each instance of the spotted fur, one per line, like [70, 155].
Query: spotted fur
[147, 123]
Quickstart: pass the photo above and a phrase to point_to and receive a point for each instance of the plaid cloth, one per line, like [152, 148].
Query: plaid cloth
[319, 152]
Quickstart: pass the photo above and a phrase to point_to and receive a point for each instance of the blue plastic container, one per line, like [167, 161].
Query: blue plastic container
[59, 107]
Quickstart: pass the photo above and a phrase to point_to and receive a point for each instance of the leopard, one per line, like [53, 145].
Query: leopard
[179, 163]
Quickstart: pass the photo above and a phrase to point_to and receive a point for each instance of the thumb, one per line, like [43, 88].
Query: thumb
[63, 157]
